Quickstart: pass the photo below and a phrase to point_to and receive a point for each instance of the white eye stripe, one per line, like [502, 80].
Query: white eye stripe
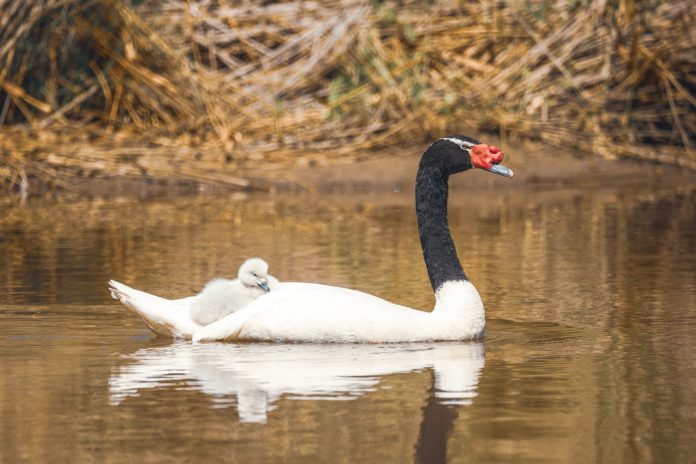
[463, 144]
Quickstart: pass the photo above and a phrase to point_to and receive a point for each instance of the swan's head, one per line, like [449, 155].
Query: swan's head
[253, 273]
[458, 153]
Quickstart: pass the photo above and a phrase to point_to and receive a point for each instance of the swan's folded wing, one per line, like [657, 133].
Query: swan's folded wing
[167, 318]
[299, 311]
[226, 329]
[230, 327]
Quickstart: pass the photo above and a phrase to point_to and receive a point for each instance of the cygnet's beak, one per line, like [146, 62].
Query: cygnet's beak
[264, 285]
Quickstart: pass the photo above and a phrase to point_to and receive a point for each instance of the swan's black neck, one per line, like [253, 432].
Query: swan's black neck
[437, 163]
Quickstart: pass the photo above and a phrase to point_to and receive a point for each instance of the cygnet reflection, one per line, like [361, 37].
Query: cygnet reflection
[258, 375]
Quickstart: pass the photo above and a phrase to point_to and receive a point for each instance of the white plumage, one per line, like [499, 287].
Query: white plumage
[320, 313]
[220, 297]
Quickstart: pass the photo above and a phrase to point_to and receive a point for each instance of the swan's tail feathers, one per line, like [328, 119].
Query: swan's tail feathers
[120, 291]
[164, 317]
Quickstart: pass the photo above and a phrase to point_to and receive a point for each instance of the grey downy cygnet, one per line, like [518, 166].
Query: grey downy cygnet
[221, 297]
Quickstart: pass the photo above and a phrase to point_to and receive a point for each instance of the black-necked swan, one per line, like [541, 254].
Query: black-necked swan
[220, 297]
[305, 312]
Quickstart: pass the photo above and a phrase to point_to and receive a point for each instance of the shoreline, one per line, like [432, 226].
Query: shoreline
[391, 171]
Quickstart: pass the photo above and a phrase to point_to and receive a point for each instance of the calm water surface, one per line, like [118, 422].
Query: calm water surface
[589, 357]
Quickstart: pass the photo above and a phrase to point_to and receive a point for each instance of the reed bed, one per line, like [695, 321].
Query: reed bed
[198, 89]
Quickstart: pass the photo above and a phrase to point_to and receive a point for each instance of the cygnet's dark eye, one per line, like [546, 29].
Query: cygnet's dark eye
[254, 274]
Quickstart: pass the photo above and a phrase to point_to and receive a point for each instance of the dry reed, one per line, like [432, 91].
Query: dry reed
[197, 89]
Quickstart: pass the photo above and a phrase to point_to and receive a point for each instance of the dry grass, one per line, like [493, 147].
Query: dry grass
[197, 89]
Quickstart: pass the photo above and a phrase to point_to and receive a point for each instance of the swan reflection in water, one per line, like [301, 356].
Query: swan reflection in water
[259, 374]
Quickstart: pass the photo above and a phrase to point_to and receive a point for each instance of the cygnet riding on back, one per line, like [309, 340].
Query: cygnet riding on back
[221, 297]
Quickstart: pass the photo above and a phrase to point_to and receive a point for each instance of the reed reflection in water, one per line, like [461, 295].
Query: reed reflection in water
[589, 353]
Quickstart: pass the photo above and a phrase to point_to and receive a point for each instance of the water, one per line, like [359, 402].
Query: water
[589, 355]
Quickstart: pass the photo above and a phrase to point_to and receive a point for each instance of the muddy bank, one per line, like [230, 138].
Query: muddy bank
[535, 166]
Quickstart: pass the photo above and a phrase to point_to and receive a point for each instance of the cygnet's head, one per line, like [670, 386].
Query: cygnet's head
[253, 274]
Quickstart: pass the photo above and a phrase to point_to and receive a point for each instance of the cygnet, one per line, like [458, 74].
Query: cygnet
[221, 297]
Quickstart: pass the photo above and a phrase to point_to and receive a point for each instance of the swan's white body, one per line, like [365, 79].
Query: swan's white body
[220, 297]
[304, 312]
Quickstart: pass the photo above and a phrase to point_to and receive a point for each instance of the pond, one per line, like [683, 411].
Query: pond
[589, 354]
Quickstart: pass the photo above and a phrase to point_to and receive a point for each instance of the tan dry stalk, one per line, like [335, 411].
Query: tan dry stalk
[198, 89]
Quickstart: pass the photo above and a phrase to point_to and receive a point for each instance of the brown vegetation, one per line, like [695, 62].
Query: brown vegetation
[197, 89]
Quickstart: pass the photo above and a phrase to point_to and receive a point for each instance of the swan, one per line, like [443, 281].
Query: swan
[220, 297]
[315, 313]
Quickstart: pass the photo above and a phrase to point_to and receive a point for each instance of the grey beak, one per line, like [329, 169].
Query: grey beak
[264, 285]
[501, 170]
